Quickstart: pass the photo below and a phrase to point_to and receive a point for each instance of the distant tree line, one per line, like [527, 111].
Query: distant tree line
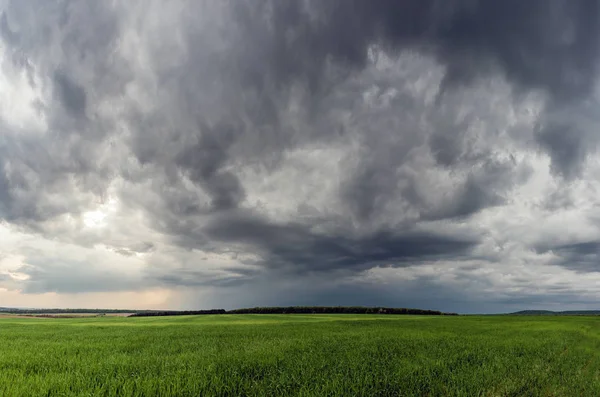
[333, 310]
[253, 310]
[177, 313]
[300, 310]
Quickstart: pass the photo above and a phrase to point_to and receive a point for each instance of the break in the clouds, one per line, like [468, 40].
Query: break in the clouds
[429, 153]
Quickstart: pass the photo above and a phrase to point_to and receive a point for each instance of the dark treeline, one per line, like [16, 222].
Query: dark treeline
[301, 310]
[334, 310]
[253, 310]
[177, 313]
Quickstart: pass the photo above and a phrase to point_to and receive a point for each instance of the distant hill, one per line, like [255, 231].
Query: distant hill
[561, 313]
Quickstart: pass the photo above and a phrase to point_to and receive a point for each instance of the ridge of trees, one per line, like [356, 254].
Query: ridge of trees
[301, 310]
[252, 310]
[177, 313]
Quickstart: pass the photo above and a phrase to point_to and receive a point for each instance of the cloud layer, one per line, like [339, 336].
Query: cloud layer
[439, 154]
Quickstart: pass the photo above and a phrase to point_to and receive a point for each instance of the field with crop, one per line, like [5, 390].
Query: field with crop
[324, 355]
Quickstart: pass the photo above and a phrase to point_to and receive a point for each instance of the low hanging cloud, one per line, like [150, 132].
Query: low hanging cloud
[214, 146]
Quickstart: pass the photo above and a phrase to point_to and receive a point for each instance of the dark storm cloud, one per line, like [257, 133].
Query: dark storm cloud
[548, 45]
[312, 293]
[178, 117]
[566, 147]
[196, 278]
[296, 247]
[579, 256]
[5, 197]
[568, 134]
[539, 43]
[370, 190]
[426, 293]
[61, 44]
[204, 161]
[71, 95]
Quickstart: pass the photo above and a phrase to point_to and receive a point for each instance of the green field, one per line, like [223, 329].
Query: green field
[270, 355]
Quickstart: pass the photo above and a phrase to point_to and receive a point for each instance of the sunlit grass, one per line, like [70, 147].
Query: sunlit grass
[300, 355]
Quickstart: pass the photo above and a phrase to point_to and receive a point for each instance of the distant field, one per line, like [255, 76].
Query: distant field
[324, 355]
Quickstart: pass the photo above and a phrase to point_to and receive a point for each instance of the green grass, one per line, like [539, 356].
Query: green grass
[324, 355]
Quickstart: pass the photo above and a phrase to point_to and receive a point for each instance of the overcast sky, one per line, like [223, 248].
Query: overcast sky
[439, 154]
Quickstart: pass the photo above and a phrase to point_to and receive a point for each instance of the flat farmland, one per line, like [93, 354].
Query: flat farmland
[305, 355]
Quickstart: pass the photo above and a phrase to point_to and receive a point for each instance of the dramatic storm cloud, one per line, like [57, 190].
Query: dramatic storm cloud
[193, 154]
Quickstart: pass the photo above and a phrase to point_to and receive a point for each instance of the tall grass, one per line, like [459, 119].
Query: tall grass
[325, 355]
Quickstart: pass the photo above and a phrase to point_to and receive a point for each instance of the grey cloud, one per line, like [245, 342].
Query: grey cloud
[297, 248]
[568, 135]
[5, 30]
[487, 185]
[580, 256]
[195, 279]
[5, 197]
[68, 276]
[557, 200]
[71, 95]
[308, 291]
[424, 292]
[566, 146]
[204, 162]
[138, 248]
[64, 47]
[357, 294]
[171, 114]
[552, 45]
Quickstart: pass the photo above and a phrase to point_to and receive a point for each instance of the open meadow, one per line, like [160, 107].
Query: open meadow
[324, 355]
